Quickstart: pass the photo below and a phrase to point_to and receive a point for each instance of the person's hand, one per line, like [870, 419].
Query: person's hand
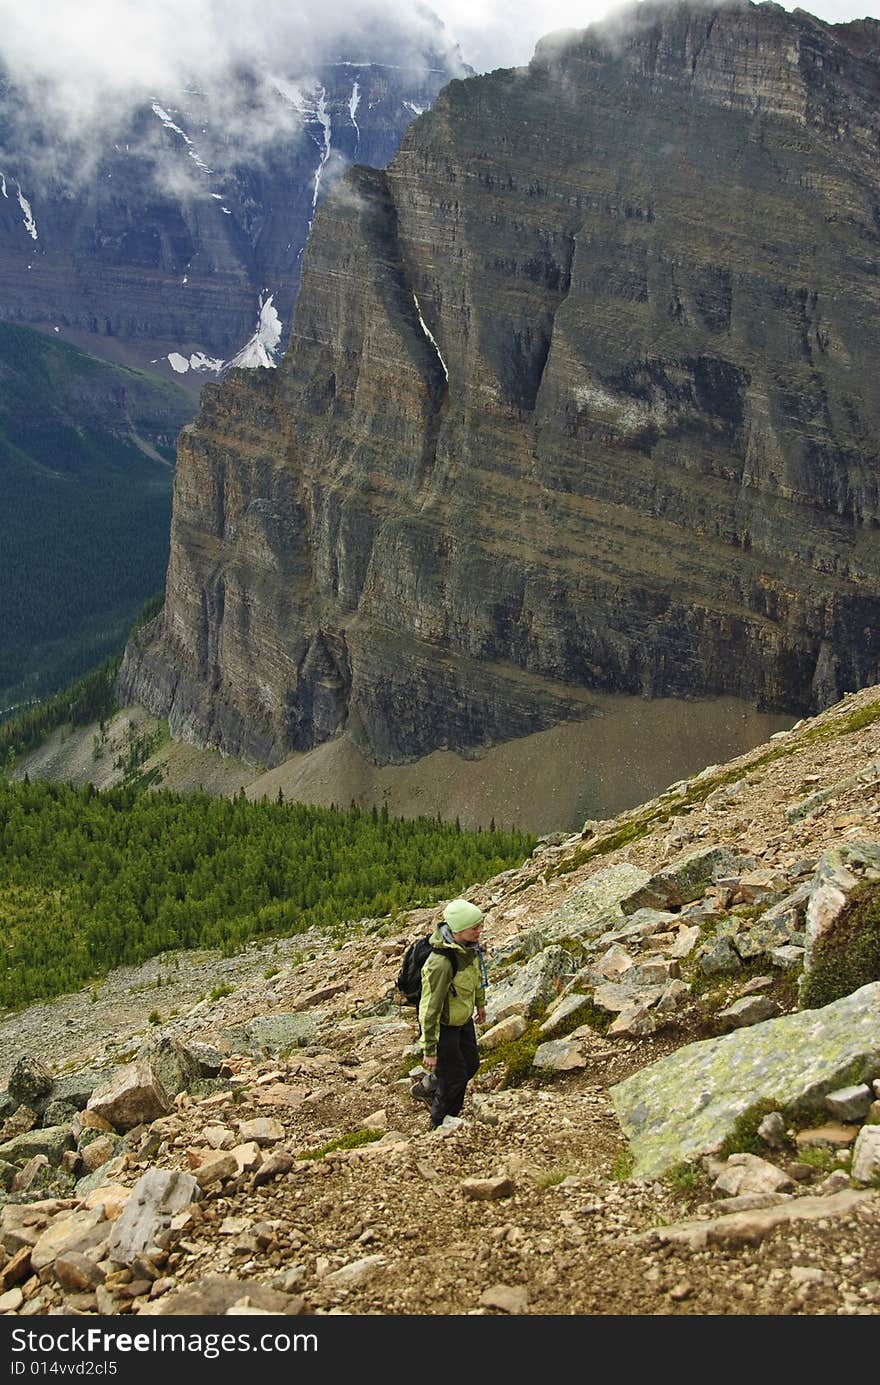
[429, 1064]
[480, 1015]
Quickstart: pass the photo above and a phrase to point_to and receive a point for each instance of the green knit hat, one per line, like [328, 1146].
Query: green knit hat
[461, 914]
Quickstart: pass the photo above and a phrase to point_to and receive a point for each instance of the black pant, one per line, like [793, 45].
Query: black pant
[457, 1062]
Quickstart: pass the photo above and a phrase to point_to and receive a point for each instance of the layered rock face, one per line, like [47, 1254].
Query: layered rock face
[580, 395]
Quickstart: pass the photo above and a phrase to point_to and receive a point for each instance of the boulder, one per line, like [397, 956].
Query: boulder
[132, 1096]
[51, 1140]
[30, 1083]
[687, 1103]
[529, 989]
[155, 1198]
[686, 878]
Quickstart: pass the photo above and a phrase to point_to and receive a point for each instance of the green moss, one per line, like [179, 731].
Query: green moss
[516, 1056]
[219, 992]
[624, 1163]
[844, 726]
[821, 1157]
[627, 832]
[553, 1177]
[744, 1137]
[684, 1178]
[352, 1140]
[588, 1013]
[847, 956]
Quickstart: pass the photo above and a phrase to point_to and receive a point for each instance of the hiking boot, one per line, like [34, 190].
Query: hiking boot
[421, 1093]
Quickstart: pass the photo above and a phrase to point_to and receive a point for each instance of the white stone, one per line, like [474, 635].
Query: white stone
[355, 1272]
[866, 1154]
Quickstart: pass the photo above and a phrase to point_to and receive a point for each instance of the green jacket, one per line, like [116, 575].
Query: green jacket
[448, 999]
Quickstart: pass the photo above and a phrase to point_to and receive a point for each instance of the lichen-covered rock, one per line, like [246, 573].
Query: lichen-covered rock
[172, 1064]
[686, 879]
[719, 957]
[598, 896]
[208, 1058]
[75, 1088]
[529, 989]
[562, 1012]
[686, 1104]
[51, 1140]
[275, 1033]
[30, 1082]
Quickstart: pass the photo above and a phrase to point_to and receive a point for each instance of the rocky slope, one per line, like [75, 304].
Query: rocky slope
[651, 959]
[578, 397]
[628, 751]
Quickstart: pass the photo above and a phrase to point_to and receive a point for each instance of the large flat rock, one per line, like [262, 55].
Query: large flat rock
[686, 1104]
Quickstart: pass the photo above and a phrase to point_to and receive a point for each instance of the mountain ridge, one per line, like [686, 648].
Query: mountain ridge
[573, 401]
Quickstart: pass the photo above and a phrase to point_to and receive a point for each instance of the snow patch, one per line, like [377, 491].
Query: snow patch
[197, 361]
[323, 118]
[3, 187]
[429, 334]
[312, 106]
[260, 350]
[416, 109]
[28, 213]
[294, 94]
[170, 125]
[352, 111]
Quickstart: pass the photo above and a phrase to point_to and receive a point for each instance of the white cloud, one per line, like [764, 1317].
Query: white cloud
[503, 33]
[87, 63]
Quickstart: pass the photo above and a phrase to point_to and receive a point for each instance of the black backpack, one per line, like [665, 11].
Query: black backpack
[409, 978]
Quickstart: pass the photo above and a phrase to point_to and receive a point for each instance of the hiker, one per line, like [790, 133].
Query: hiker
[453, 995]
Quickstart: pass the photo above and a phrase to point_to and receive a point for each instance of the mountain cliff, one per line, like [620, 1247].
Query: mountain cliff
[579, 397]
[171, 234]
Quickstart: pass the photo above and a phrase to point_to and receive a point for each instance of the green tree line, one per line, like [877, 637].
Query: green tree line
[89, 699]
[91, 880]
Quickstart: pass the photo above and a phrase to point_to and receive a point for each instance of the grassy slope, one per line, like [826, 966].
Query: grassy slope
[85, 515]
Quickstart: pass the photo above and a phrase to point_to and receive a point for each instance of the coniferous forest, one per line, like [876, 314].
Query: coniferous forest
[86, 467]
[92, 880]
